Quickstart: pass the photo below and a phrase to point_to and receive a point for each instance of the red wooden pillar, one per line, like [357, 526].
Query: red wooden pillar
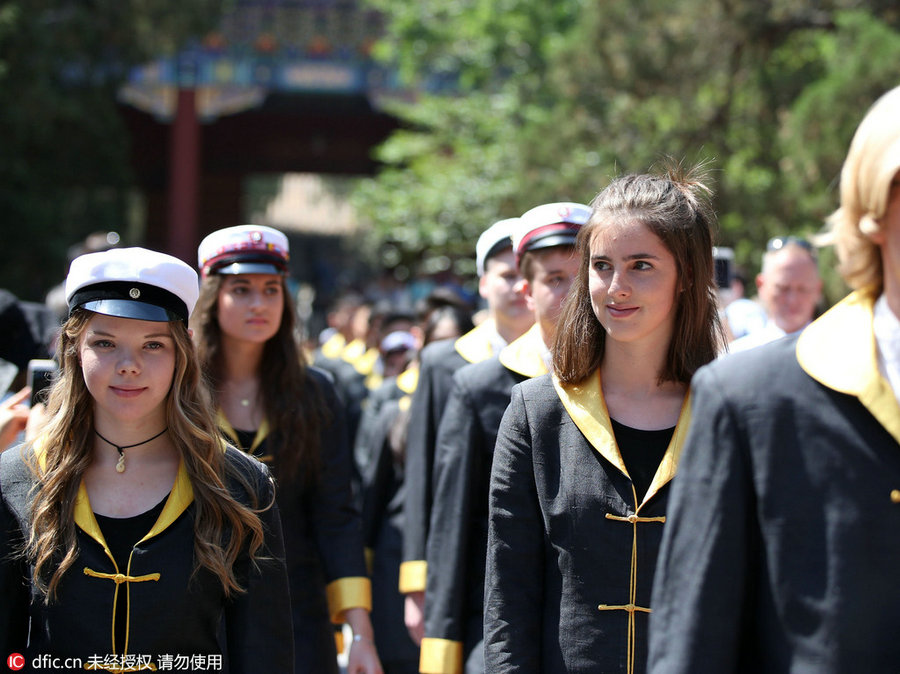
[184, 179]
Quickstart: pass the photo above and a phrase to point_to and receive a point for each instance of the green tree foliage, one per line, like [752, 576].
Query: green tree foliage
[857, 63]
[64, 167]
[458, 164]
[768, 92]
[444, 179]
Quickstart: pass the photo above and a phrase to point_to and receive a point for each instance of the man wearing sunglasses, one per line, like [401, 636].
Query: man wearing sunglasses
[789, 288]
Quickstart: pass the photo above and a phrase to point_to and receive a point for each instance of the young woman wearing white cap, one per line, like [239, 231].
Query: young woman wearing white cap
[275, 407]
[584, 458]
[143, 540]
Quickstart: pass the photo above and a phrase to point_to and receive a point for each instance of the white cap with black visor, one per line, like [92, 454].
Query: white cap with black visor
[132, 283]
[494, 240]
[549, 225]
[244, 249]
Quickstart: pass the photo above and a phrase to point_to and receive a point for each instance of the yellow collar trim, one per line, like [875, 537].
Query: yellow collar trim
[353, 350]
[181, 496]
[475, 345]
[838, 350]
[524, 355]
[333, 347]
[225, 426]
[40, 451]
[586, 406]
[373, 380]
[365, 363]
[408, 380]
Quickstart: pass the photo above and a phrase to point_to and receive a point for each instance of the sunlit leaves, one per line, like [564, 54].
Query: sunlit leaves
[65, 161]
[768, 91]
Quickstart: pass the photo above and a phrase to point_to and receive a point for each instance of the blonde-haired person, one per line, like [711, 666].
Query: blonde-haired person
[139, 534]
[585, 456]
[272, 405]
[781, 553]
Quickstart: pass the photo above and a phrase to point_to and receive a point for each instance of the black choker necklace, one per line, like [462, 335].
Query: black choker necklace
[120, 465]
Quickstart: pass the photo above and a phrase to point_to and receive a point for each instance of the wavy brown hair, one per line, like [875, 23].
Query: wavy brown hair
[294, 406]
[223, 527]
[675, 207]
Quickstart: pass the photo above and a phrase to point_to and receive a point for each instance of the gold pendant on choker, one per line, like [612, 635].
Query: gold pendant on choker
[120, 464]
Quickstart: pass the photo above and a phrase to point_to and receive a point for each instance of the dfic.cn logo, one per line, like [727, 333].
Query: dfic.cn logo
[15, 662]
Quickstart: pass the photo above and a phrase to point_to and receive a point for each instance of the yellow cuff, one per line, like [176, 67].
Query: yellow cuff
[412, 576]
[441, 656]
[344, 593]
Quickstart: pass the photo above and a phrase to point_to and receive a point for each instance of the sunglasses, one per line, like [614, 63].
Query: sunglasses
[779, 242]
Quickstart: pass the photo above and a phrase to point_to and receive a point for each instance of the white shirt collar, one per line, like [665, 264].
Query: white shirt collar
[767, 333]
[886, 326]
[547, 357]
[494, 339]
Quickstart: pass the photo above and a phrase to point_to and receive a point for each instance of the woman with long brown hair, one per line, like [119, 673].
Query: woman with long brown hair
[273, 406]
[136, 536]
[584, 457]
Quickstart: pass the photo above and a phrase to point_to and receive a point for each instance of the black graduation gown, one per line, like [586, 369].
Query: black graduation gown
[382, 515]
[571, 555]
[458, 535]
[782, 553]
[350, 387]
[437, 363]
[323, 540]
[171, 617]
[370, 426]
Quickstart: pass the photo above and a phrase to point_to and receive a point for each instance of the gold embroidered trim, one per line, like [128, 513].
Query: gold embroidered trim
[631, 608]
[120, 578]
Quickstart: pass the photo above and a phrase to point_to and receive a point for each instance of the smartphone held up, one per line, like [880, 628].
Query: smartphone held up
[39, 376]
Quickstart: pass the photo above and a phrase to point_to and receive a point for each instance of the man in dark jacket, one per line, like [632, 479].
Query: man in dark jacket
[544, 245]
[507, 319]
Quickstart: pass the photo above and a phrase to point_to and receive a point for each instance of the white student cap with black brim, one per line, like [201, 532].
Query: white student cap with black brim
[244, 249]
[549, 225]
[133, 283]
[493, 240]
